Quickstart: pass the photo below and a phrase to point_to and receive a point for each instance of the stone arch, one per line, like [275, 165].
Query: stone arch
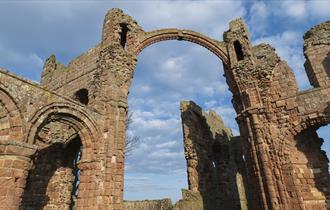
[67, 114]
[304, 124]
[11, 124]
[216, 47]
[52, 181]
[304, 161]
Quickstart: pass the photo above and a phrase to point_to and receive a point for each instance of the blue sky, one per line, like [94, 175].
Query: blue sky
[166, 72]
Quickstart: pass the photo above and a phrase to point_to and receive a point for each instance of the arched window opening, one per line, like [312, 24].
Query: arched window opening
[53, 181]
[238, 50]
[123, 34]
[82, 96]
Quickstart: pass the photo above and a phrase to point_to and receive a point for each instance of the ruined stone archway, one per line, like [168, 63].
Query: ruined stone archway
[272, 114]
[216, 47]
[204, 42]
[305, 123]
[10, 120]
[61, 131]
[13, 150]
[68, 114]
[122, 41]
[304, 164]
[123, 30]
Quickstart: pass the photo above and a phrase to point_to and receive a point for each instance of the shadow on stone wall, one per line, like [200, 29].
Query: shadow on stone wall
[326, 64]
[311, 169]
[214, 159]
[50, 182]
[311, 166]
[327, 109]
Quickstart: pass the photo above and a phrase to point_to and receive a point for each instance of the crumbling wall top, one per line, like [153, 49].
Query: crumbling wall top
[213, 120]
[237, 27]
[120, 28]
[318, 35]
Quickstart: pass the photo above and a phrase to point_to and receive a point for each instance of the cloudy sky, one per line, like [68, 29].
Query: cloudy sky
[166, 73]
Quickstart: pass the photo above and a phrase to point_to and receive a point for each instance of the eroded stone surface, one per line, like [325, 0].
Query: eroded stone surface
[165, 204]
[214, 159]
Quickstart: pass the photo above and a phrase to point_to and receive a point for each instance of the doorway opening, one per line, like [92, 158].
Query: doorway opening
[53, 181]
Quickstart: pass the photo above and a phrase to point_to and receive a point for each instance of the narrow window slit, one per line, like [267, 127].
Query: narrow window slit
[123, 34]
[238, 51]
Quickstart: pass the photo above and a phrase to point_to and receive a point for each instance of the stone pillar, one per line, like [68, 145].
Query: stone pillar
[15, 163]
[114, 134]
[114, 90]
[89, 186]
[262, 188]
[117, 161]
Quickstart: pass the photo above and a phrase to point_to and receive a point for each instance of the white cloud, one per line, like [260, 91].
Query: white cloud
[319, 8]
[168, 144]
[137, 114]
[300, 10]
[209, 104]
[187, 71]
[28, 64]
[172, 70]
[259, 13]
[208, 91]
[227, 114]
[164, 153]
[295, 9]
[155, 124]
[144, 89]
[192, 15]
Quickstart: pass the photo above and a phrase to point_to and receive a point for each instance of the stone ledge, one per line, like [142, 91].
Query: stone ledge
[8, 147]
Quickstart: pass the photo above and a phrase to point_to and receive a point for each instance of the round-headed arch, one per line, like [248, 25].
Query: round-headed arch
[68, 114]
[294, 130]
[12, 126]
[216, 47]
